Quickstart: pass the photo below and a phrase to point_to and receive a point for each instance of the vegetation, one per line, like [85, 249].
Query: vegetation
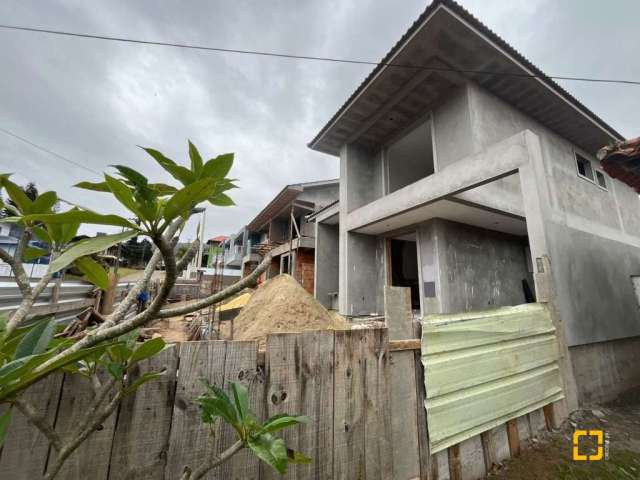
[30, 349]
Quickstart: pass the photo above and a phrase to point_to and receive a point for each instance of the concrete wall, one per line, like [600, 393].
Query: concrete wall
[326, 261]
[362, 263]
[593, 235]
[605, 370]
[474, 268]
[321, 196]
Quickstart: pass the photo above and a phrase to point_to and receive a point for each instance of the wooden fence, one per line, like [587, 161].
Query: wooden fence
[364, 394]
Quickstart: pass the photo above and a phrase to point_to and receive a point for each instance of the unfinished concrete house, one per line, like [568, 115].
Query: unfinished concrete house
[482, 190]
[282, 229]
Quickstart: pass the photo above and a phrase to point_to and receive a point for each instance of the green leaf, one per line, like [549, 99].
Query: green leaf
[44, 203]
[147, 349]
[218, 167]
[222, 200]
[81, 216]
[93, 271]
[278, 422]
[37, 339]
[96, 187]
[116, 370]
[144, 378]
[42, 234]
[135, 177]
[196, 160]
[65, 232]
[18, 196]
[216, 403]
[271, 450]
[119, 352]
[31, 253]
[5, 420]
[185, 199]
[124, 195]
[89, 246]
[178, 172]
[162, 189]
[241, 399]
[297, 457]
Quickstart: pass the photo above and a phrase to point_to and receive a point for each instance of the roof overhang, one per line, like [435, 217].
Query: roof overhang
[446, 37]
[622, 161]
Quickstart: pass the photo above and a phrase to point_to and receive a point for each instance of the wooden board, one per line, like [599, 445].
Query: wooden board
[240, 367]
[348, 426]
[77, 394]
[141, 438]
[190, 440]
[315, 397]
[282, 364]
[377, 406]
[25, 450]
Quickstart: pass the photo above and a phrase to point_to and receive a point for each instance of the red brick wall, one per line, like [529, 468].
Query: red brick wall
[305, 268]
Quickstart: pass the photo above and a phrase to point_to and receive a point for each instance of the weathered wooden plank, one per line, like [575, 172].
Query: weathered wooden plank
[25, 450]
[524, 431]
[348, 427]
[407, 412]
[240, 367]
[428, 465]
[190, 441]
[537, 422]
[455, 469]
[377, 407]
[513, 438]
[141, 437]
[472, 465]
[91, 459]
[441, 463]
[282, 363]
[315, 381]
[495, 447]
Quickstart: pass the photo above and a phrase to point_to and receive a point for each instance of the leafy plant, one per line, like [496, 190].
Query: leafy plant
[216, 405]
[30, 349]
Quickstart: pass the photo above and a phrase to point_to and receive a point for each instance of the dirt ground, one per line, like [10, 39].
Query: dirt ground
[551, 458]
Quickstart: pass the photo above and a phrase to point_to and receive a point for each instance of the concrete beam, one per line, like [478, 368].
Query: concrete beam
[498, 161]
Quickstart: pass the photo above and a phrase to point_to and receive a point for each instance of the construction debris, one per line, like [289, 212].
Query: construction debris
[282, 305]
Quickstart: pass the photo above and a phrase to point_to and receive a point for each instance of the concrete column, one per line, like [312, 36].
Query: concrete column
[361, 256]
[326, 262]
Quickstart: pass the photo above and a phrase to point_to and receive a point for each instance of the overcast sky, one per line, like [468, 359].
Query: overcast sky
[93, 101]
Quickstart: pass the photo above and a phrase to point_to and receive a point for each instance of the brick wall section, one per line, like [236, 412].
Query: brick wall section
[305, 268]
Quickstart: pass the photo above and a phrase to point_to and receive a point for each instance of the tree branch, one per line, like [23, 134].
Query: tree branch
[188, 256]
[127, 302]
[82, 433]
[20, 276]
[108, 330]
[38, 420]
[240, 285]
[212, 462]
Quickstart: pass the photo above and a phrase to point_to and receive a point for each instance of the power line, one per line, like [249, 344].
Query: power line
[310, 57]
[46, 150]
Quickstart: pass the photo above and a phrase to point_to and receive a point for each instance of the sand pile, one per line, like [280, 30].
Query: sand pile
[282, 305]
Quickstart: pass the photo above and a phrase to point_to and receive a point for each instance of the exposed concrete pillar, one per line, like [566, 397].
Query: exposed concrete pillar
[535, 195]
[326, 263]
[361, 256]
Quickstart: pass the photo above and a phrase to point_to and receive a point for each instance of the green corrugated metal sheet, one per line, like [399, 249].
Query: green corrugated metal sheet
[484, 368]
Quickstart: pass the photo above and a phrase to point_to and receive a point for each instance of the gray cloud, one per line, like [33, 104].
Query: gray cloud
[94, 101]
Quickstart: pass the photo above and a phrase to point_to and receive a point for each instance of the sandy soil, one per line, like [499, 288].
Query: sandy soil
[282, 305]
[551, 458]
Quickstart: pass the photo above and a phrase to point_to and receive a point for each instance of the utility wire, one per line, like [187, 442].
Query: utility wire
[46, 150]
[310, 57]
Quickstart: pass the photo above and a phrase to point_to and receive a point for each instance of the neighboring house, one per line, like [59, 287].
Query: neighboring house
[477, 191]
[282, 229]
[214, 251]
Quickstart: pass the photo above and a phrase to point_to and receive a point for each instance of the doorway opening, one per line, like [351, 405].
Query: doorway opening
[403, 263]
